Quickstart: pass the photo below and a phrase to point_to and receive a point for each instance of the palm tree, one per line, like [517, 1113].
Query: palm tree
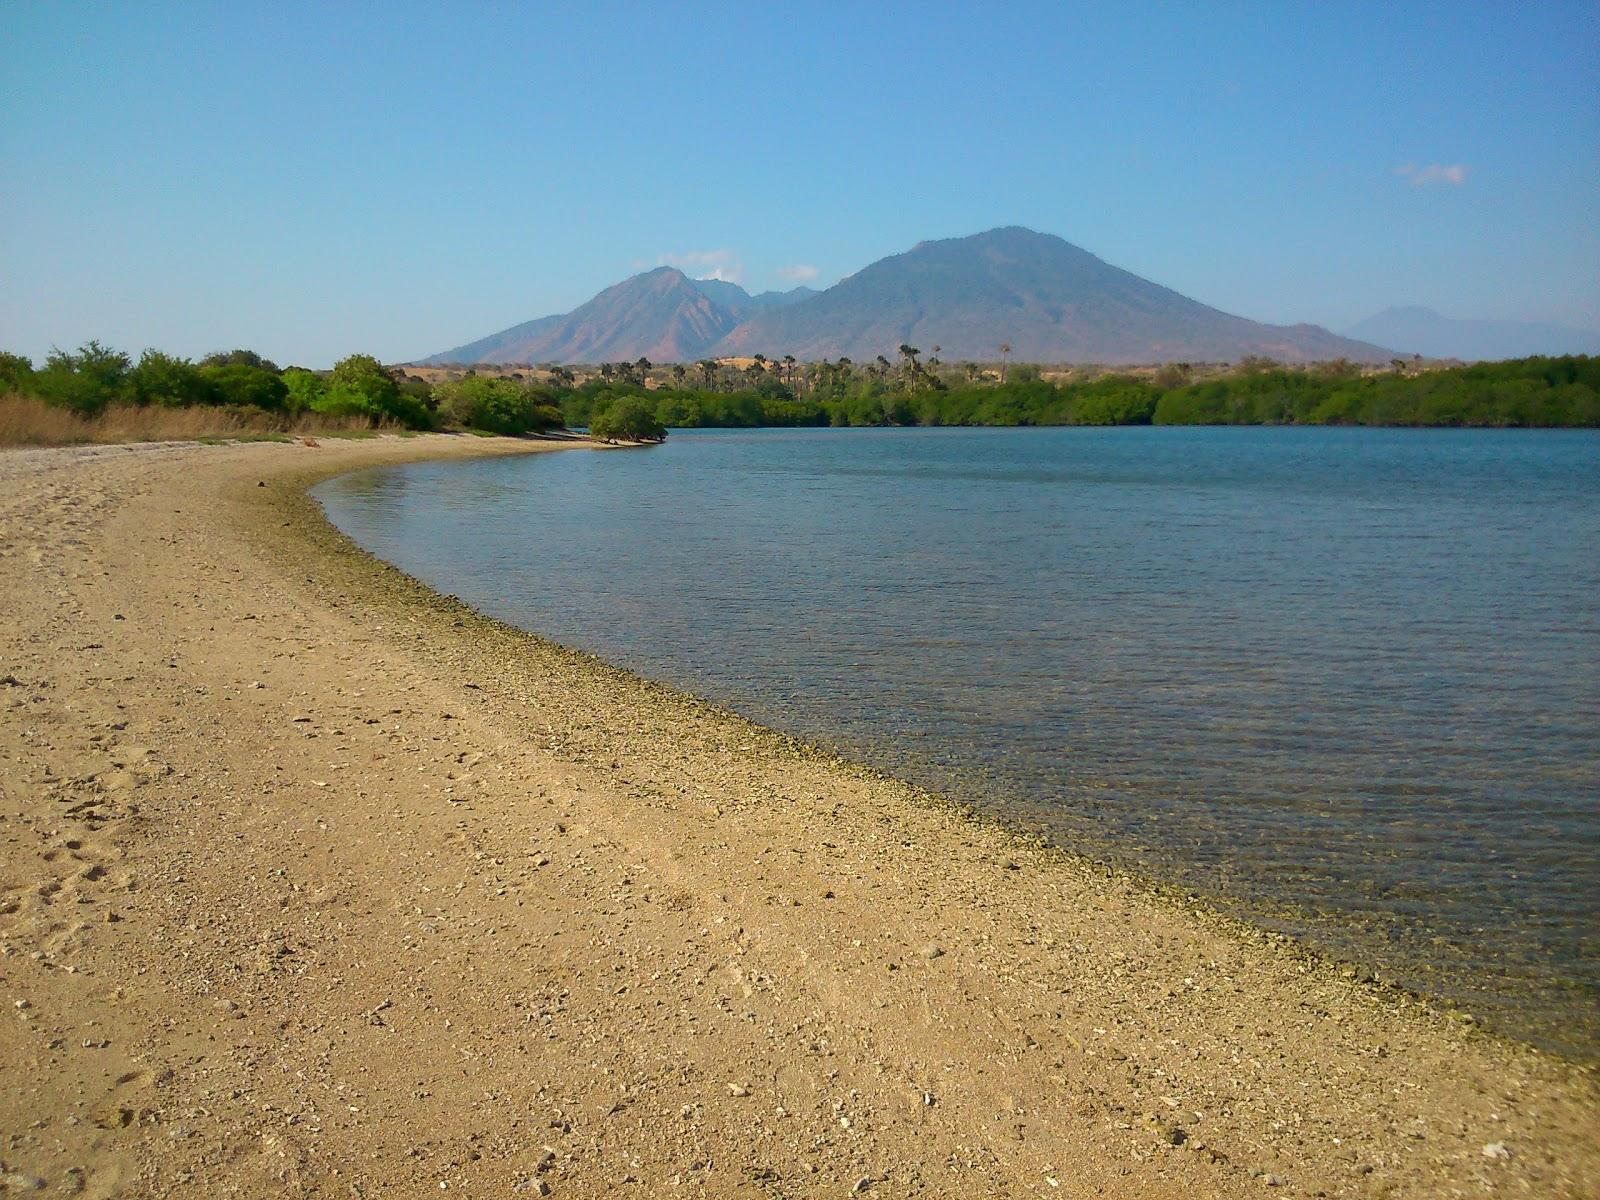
[1005, 350]
[678, 372]
[708, 372]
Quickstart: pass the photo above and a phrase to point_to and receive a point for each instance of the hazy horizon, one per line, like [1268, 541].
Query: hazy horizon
[399, 179]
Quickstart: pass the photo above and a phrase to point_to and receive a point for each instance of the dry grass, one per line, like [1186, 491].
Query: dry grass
[25, 421]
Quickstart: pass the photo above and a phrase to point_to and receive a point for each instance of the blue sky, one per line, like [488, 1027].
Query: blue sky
[314, 180]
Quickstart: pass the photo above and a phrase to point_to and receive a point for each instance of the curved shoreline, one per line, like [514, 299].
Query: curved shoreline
[930, 1002]
[1325, 942]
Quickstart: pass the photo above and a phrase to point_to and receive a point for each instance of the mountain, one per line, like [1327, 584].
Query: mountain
[661, 315]
[729, 295]
[1417, 330]
[741, 303]
[1049, 300]
[506, 346]
[766, 300]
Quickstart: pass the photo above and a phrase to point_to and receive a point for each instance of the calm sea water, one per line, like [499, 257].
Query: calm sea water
[1347, 680]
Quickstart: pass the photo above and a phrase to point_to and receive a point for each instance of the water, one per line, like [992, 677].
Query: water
[1347, 680]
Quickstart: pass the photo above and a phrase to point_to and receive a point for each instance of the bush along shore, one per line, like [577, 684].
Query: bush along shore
[1532, 392]
[96, 393]
[749, 393]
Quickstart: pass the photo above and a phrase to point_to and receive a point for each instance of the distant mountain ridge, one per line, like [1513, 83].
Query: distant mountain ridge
[662, 315]
[742, 304]
[1044, 297]
[1417, 330]
[659, 315]
[1048, 300]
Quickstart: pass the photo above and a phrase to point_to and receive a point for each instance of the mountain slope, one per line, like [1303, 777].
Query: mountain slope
[766, 300]
[729, 296]
[661, 315]
[1049, 300]
[505, 346]
[742, 304]
[1417, 330]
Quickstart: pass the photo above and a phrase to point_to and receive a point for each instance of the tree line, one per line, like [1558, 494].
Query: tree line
[1531, 392]
[639, 401]
[94, 378]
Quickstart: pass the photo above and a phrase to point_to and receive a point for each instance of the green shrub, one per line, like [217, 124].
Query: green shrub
[239, 358]
[303, 389]
[504, 406]
[1116, 401]
[85, 382]
[627, 419]
[358, 386]
[16, 372]
[168, 380]
[244, 386]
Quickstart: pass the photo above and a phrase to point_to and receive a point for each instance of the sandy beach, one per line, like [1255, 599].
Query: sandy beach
[313, 883]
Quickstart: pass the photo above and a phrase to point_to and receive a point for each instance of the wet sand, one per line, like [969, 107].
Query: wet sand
[315, 883]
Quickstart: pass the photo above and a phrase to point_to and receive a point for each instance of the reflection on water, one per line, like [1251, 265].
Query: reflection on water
[1349, 678]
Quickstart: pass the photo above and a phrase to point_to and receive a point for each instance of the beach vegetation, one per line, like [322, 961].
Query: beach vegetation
[627, 419]
[85, 381]
[97, 393]
[360, 392]
[497, 405]
[16, 372]
[239, 358]
[302, 389]
[242, 386]
[1531, 393]
[168, 380]
[29, 421]
[359, 386]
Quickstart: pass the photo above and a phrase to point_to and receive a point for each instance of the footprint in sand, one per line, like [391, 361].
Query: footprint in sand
[128, 1102]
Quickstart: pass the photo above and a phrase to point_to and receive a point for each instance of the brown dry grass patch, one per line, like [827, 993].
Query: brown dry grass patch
[25, 421]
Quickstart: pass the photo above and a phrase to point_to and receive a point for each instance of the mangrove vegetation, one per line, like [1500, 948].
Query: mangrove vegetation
[640, 401]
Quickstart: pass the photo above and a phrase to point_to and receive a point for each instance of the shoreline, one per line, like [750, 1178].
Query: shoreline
[1325, 942]
[930, 1001]
[294, 499]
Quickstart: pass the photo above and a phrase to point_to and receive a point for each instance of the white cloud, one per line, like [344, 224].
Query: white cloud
[706, 264]
[1455, 174]
[798, 273]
